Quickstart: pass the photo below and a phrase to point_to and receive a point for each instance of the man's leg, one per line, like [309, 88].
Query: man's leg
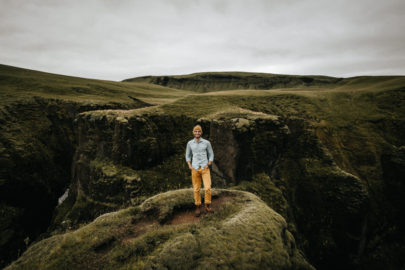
[196, 179]
[206, 176]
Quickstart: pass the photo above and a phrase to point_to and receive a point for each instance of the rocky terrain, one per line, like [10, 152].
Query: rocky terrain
[324, 155]
[242, 233]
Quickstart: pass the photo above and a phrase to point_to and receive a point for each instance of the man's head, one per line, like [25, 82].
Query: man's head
[197, 131]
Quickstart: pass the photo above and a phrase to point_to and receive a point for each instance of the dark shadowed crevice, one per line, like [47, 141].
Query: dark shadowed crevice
[38, 142]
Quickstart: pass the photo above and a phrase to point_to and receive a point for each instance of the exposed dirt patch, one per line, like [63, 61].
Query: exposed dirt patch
[182, 216]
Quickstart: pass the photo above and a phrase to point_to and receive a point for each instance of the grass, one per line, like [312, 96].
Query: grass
[136, 238]
[220, 81]
[21, 84]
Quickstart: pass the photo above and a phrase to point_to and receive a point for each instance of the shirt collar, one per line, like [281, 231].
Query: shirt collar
[201, 139]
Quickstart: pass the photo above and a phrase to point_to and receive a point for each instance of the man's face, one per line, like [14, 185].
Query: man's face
[197, 133]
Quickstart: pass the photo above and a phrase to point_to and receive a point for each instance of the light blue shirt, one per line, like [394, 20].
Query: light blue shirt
[199, 152]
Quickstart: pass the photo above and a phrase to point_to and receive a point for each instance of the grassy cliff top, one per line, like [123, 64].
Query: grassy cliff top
[330, 103]
[320, 99]
[219, 81]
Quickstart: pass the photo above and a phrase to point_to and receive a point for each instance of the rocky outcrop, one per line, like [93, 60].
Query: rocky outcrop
[243, 233]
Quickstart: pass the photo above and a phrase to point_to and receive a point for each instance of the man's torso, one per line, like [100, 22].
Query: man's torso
[199, 152]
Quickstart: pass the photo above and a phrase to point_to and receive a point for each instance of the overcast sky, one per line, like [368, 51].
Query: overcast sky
[119, 39]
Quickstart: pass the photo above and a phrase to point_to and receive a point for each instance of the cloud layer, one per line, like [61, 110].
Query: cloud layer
[121, 39]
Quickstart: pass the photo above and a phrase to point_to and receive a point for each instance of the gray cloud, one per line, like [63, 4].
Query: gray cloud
[120, 39]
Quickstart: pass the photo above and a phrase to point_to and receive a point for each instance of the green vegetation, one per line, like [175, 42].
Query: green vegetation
[141, 238]
[270, 191]
[22, 84]
[111, 186]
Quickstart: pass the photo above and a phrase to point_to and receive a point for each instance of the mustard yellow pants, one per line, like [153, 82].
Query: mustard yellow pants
[196, 176]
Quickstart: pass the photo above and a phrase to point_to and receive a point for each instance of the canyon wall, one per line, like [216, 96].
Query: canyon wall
[123, 158]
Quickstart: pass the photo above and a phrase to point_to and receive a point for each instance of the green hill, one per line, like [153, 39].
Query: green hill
[219, 81]
[21, 84]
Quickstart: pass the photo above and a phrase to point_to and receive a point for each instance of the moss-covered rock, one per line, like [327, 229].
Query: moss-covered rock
[37, 144]
[327, 205]
[243, 233]
[271, 191]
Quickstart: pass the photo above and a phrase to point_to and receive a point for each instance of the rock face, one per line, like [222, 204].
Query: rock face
[328, 205]
[392, 209]
[243, 233]
[122, 158]
[121, 161]
[37, 144]
[203, 82]
[246, 145]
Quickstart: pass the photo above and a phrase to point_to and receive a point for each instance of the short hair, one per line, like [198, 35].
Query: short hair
[197, 127]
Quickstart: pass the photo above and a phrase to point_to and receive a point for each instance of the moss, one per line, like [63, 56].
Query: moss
[269, 190]
[327, 205]
[85, 209]
[113, 186]
[242, 234]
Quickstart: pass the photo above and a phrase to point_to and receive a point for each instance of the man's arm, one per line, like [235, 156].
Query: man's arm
[188, 156]
[210, 154]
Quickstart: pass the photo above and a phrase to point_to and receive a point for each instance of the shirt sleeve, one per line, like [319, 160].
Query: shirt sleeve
[188, 153]
[210, 152]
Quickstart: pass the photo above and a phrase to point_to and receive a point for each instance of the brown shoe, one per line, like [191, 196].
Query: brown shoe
[208, 208]
[197, 212]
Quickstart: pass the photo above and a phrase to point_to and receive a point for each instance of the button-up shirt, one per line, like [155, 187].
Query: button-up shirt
[199, 152]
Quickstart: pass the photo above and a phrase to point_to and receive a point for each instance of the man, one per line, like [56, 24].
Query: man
[199, 156]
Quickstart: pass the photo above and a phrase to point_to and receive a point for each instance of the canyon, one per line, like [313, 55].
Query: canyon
[323, 156]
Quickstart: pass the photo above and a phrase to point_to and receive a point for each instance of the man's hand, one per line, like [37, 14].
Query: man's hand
[209, 164]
